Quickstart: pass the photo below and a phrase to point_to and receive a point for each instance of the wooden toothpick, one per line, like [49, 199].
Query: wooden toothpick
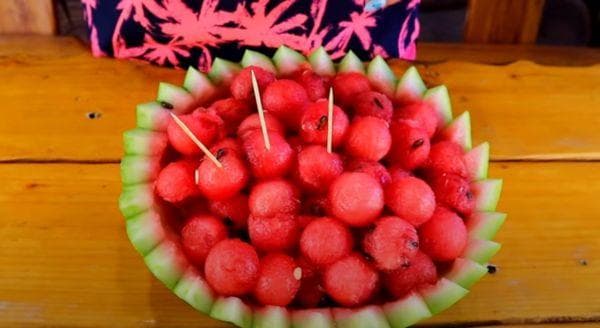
[198, 143]
[261, 114]
[330, 122]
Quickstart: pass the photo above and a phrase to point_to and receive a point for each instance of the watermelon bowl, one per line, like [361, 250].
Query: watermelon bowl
[388, 225]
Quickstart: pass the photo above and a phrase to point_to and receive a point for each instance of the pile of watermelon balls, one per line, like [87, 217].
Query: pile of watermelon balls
[296, 225]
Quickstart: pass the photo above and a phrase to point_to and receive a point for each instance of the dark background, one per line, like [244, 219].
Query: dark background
[564, 22]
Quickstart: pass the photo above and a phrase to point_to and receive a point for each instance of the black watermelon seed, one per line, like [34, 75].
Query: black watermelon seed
[322, 122]
[469, 195]
[378, 103]
[492, 269]
[166, 105]
[220, 153]
[418, 143]
[414, 244]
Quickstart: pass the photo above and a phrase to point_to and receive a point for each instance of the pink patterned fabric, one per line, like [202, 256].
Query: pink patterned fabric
[192, 32]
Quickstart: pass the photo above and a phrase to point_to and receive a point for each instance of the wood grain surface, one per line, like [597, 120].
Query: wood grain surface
[506, 21]
[27, 16]
[65, 259]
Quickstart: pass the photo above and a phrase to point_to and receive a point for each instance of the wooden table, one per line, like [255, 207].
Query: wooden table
[65, 259]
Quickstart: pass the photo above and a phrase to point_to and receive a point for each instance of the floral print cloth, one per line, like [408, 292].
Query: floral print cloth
[192, 32]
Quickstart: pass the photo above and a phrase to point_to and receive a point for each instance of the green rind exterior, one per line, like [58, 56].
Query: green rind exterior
[351, 63]
[312, 318]
[136, 199]
[223, 71]
[477, 160]
[138, 169]
[481, 251]
[199, 86]
[485, 225]
[366, 317]
[144, 142]
[321, 62]
[440, 99]
[407, 311]
[487, 194]
[152, 116]
[182, 101]
[288, 60]
[411, 85]
[459, 130]
[195, 291]
[254, 58]
[233, 310]
[145, 231]
[271, 317]
[167, 263]
[466, 272]
[442, 295]
[381, 76]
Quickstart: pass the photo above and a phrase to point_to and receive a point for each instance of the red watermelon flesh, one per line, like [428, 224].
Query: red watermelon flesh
[313, 124]
[286, 99]
[241, 85]
[346, 87]
[316, 228]
[278, 280]
[416, 272]
[350, 281]
[231, 267]
[199, 234]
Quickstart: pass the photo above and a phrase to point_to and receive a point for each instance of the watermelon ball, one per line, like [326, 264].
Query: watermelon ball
[278, 280]
[274, 233]
[422, 113]
[419, 271]
[410, 144]
[272, 197]
[175, 182]
[346, 87]
[374, 104]
[199, 234]
[272, 163]
[444, 237]
[233, 209]
[315, 85]
[228, 144]
[392, 244]
[454, 192]
[317, 168]
[313, 125]
[232, 111]
[372, 168]
[286, 99]
[446, 157]
[252, 123]
[205, 125]
[218, 183]
[310, 293]
[350, 281]
[411, 199]
[325, 241]
[356, 198]
[241, 85]
[368, 138]
[231, 267]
